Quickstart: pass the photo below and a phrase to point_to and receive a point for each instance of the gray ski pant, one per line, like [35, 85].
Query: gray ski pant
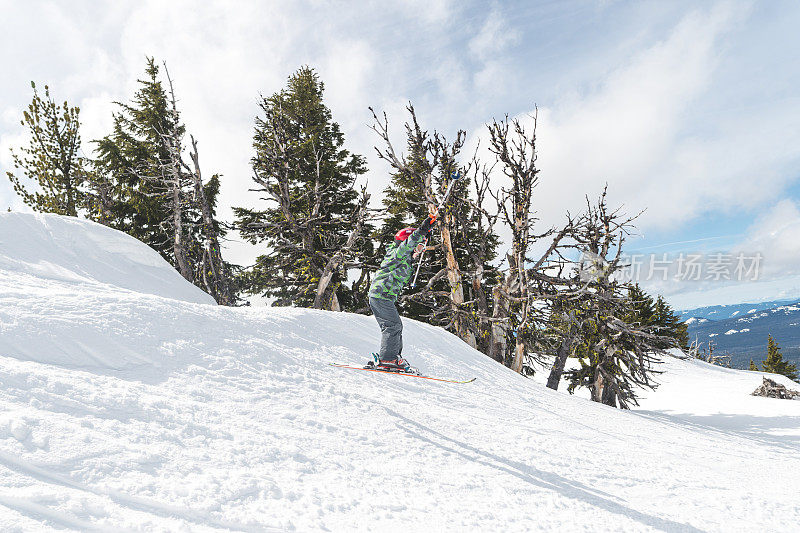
[391, 328]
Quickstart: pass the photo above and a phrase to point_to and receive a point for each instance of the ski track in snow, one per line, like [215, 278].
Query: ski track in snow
[124, 410]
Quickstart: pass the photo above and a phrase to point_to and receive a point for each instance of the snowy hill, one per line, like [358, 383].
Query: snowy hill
[125, 407]
[67, 252]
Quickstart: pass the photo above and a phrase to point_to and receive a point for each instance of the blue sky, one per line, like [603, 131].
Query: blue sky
[689, 110]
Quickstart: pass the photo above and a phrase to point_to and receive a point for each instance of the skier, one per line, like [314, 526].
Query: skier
[395, 271]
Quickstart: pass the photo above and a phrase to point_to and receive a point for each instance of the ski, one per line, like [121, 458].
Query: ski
[350, 367]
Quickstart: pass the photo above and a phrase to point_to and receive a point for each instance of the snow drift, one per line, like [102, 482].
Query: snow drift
[124, 407]
[39, 249]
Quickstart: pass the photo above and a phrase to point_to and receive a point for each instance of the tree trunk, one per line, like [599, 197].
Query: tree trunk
[482, 325]
[172, 143]
[322, 300]
[335, 303]
[326, 297]
[500, 316]
[456, 287]
[597, 387]
[560, 362]
[178, 245]
[520, 247]
[498, 344]
[519, 356]
[609, 397]
[71, 210]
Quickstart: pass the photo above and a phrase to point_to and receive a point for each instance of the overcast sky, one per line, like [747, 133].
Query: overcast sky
[688, 109]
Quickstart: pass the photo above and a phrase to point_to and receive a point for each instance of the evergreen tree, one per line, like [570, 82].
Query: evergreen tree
[670, 325]
[52, 160]
[144, 187]
[642, 306]
[775, 364]
[616, 351]
[133, 158]
[753, 366]
[658, 314]
[308, 176]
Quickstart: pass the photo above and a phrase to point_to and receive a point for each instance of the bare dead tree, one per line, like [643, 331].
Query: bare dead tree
[514, 146]
[501, 322]
[475, 214]
[172, 174]
[540, 305]
[216, 276]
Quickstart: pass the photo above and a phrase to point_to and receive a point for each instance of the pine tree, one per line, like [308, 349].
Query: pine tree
[308, 176]
[753, 366]
[775, 364]
[52, 160]
[670, 325]
[658, 314]
[642, 306]
[616, 354]
[134, 158]
[144, 187]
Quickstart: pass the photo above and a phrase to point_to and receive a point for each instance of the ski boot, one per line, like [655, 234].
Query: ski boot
[391, 365]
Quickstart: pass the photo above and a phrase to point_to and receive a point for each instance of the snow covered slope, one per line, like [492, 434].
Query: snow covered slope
[66, 252]
[121, 409]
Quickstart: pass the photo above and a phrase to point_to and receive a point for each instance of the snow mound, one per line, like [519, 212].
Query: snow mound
[124, 410]
[38, 249]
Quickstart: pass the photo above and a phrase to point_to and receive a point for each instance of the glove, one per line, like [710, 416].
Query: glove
[425, 227]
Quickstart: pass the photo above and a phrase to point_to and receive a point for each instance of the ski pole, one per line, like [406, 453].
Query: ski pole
[422, 255]
[455, 176]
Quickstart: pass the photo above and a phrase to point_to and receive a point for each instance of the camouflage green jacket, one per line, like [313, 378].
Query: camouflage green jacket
[396, 268]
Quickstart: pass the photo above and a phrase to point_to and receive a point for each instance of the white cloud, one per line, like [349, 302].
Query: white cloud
[768, 254]
[493, 37]
[776, 235]
[430, 11]
[628, 130]
[494, 73]
[641, 129]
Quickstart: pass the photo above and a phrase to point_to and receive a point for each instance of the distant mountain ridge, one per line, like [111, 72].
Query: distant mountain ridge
[721, 312]
[741, 330]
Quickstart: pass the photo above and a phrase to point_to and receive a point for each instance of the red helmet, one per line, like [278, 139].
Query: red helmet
[404, 233]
